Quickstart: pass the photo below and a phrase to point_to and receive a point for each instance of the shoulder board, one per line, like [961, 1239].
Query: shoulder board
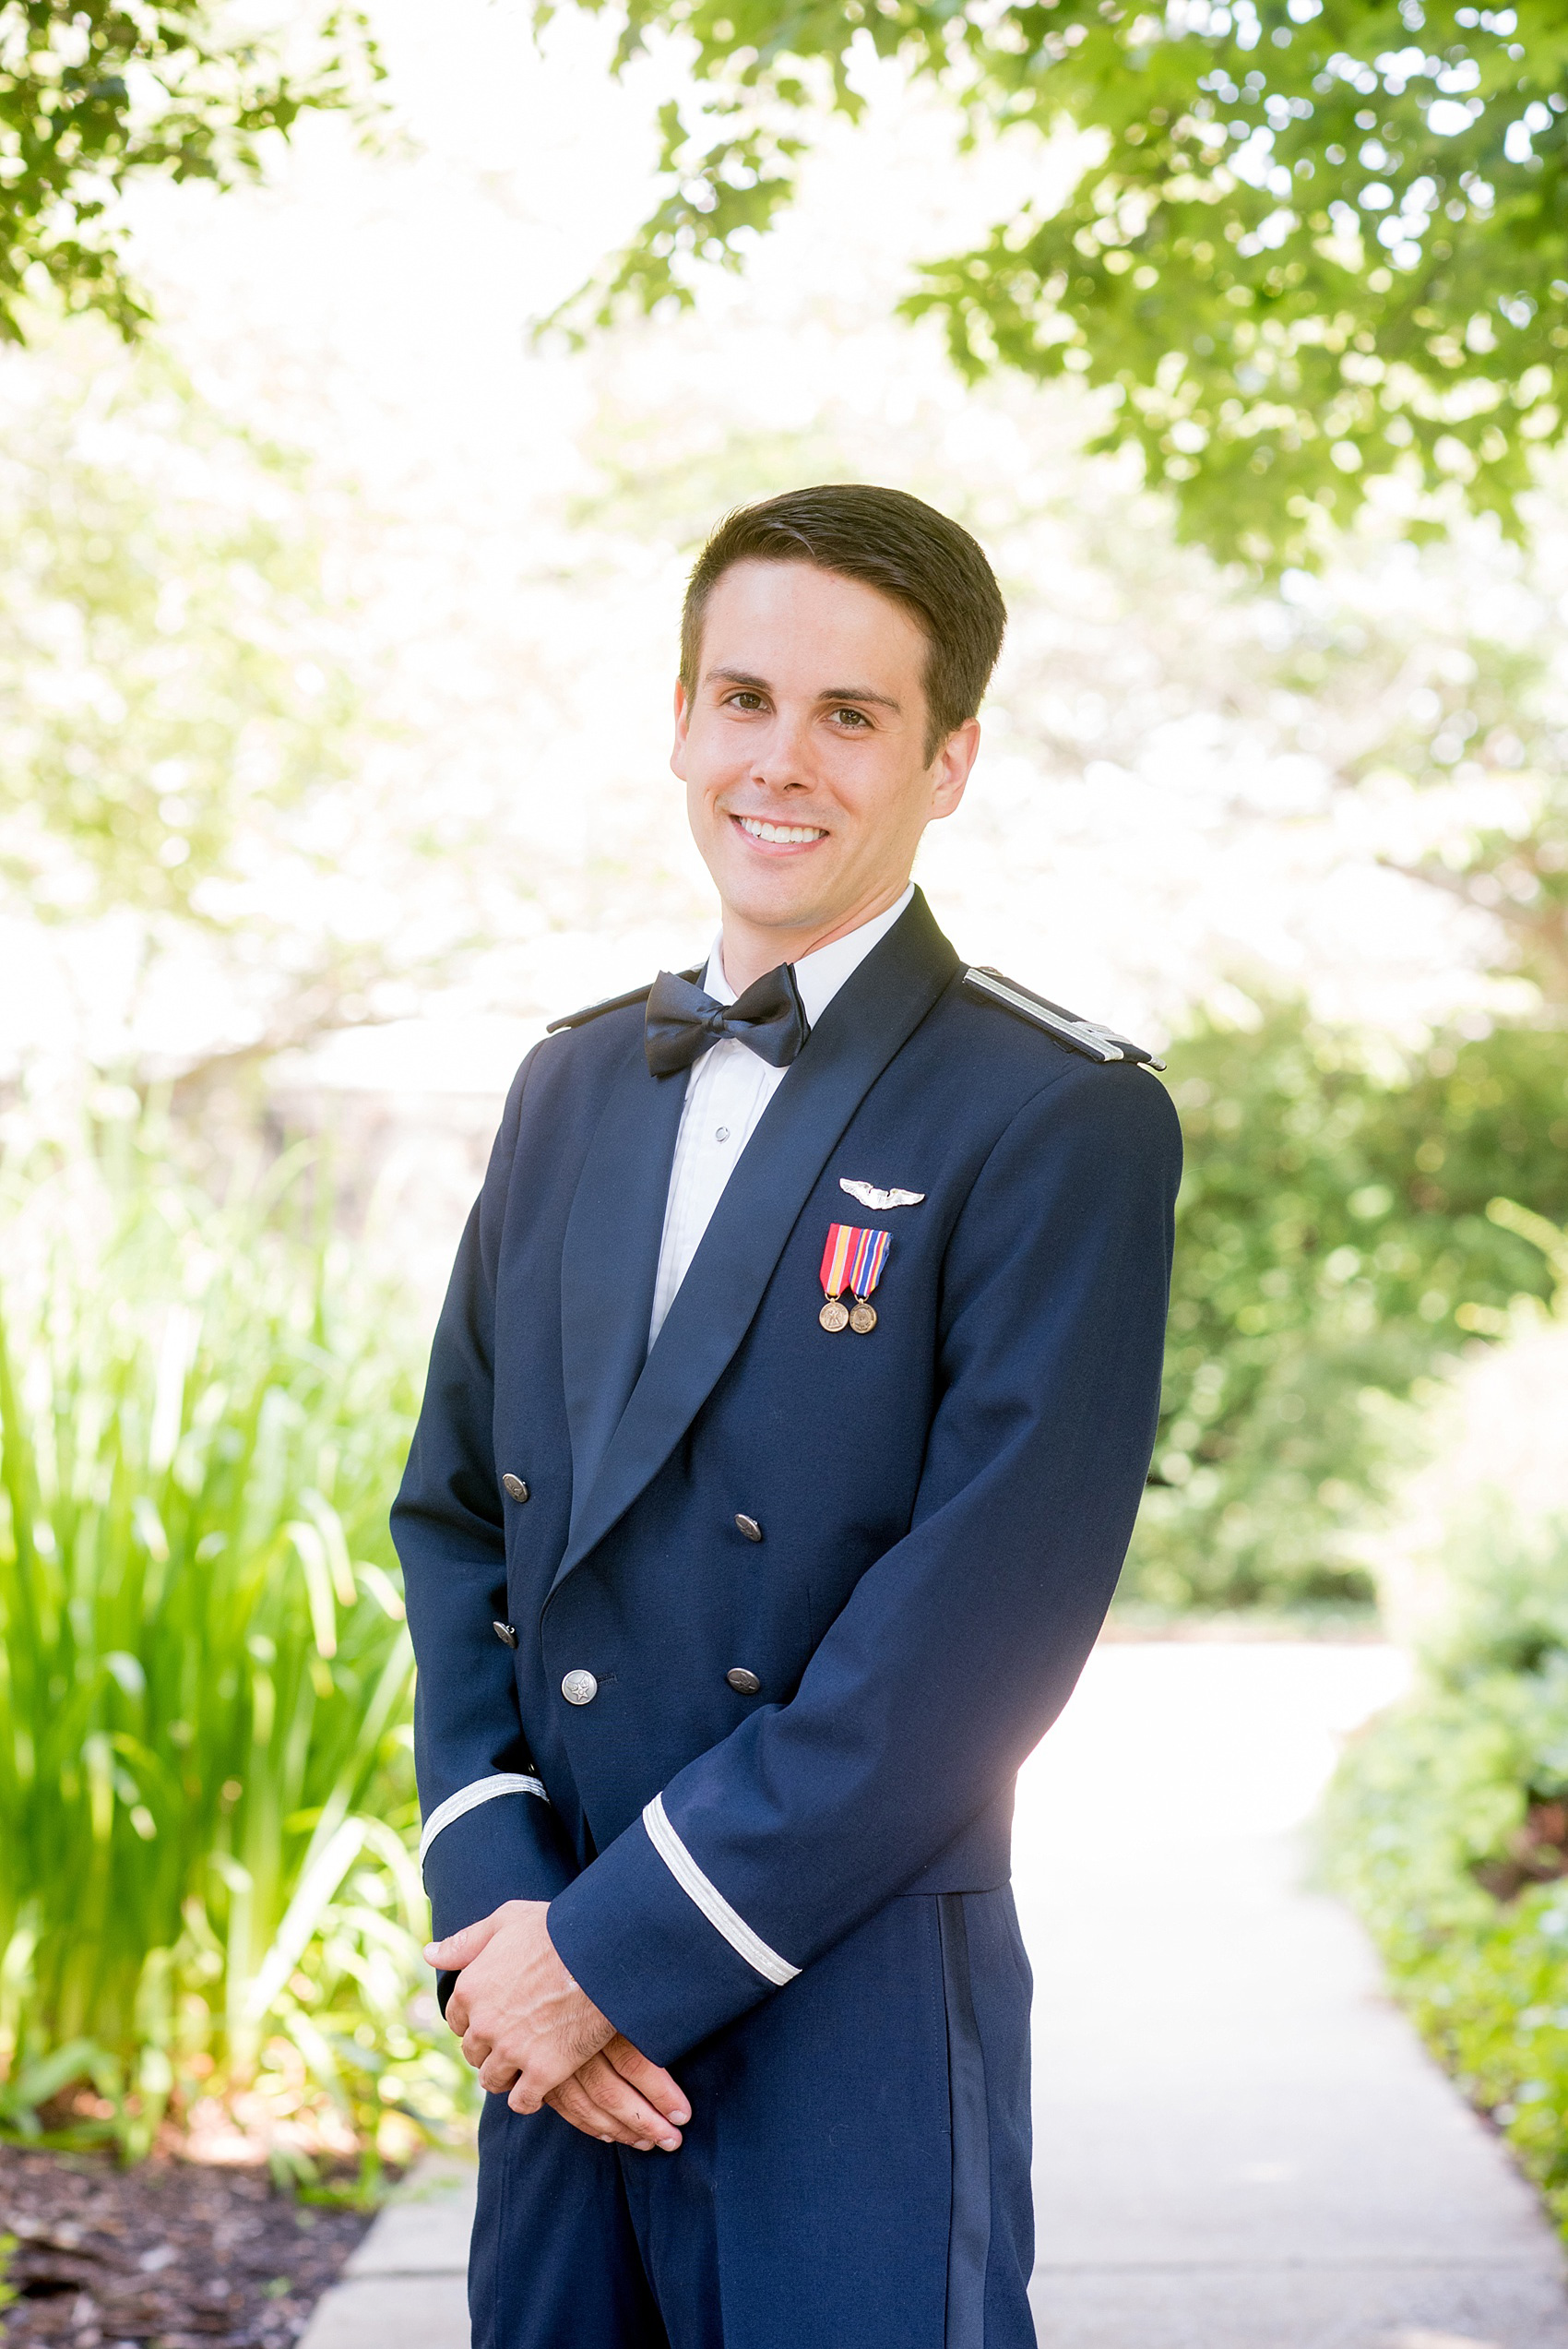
[616, 1002]
[1087, 1036]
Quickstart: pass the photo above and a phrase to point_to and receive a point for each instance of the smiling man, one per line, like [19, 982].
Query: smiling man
[787, 1421]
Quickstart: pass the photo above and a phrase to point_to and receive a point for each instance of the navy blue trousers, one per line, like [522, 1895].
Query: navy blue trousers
[855, 2176]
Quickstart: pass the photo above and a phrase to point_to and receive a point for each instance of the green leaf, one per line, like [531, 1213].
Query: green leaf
[1300, 260]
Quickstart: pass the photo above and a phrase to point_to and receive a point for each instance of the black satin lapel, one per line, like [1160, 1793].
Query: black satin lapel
[872, 1016]
[609, 1257]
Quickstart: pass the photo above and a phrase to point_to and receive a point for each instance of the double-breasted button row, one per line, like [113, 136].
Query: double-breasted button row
[514, 1487]
[580, 1687]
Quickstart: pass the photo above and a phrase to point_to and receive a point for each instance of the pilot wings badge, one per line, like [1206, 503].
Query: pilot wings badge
[869, 1196]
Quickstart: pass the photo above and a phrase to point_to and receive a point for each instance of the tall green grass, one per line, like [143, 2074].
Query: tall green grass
[206, 1792]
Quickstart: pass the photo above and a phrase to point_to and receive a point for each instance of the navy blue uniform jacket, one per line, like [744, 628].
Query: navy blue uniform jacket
[945, 1504]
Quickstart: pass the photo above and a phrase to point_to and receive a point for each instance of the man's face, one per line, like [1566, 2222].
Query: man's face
[803, 747]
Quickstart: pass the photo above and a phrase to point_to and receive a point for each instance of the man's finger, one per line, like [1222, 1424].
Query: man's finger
[497, 2074]
[461, 1948]
[649, 2079]
[574, 2103]
[476, 2050]
[615, 2094]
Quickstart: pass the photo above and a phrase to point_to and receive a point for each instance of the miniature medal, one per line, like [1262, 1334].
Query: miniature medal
[852, 1260]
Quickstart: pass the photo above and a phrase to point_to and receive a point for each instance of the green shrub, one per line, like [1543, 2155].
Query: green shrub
[1333, 1251]
[205, 1788]
[1447, 1827]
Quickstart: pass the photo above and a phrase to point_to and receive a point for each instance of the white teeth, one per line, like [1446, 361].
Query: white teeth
[788, 833]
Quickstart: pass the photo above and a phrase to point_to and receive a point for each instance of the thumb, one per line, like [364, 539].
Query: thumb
[461, 1948]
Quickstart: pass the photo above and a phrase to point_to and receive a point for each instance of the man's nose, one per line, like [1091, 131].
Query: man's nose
[781, 762]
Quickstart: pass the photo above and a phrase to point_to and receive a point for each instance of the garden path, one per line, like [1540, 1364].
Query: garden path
[1239, 2144]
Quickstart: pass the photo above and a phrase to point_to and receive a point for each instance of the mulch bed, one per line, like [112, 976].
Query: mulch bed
[170, 2254]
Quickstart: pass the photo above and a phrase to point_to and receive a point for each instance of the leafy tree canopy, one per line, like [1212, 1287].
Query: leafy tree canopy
[94, 97]
[199, 750]
[168, 678]
[1314, 243]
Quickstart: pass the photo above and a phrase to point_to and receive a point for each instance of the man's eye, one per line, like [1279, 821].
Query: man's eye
[745, 701]
[851, 718]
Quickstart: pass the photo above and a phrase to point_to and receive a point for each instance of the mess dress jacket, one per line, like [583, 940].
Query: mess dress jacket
[944, 1504]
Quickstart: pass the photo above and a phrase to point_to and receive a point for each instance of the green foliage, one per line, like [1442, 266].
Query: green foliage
[206, 1787]
[169, 681]
[1462, 1787]
[1333, 1247]
[1310, 242]
[95, 98]
[744, 178]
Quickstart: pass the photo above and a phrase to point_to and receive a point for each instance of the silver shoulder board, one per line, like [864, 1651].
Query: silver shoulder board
[616, 1002]
[1079, 1035]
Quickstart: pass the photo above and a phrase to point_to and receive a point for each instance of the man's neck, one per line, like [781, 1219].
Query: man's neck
[751, 948]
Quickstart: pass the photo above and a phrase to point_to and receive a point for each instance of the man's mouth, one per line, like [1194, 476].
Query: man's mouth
[780, 835]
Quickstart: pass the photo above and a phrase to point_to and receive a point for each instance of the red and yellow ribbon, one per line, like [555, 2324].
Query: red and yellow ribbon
[854, 1259]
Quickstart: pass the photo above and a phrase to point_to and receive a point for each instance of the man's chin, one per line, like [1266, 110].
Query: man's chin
[766, 905]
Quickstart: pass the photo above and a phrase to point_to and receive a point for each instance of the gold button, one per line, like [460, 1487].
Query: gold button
[749, 1527]
[514, 1486]
[744, 1683]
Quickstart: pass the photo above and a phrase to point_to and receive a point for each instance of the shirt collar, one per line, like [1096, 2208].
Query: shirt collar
[818, 976]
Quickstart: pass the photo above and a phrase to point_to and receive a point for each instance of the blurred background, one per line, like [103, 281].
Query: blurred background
[369, 387]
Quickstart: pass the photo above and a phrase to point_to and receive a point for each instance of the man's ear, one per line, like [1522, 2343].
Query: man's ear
[682, 728]
[951, 768]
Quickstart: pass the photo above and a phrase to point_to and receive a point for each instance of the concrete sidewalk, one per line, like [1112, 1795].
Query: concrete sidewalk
[1239, 2144]
[406, 2286]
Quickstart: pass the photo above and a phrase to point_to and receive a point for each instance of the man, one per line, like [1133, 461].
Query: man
[787, 1421]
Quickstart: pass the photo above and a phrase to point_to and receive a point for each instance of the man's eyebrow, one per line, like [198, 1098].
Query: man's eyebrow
[860, 693]
[745, 678]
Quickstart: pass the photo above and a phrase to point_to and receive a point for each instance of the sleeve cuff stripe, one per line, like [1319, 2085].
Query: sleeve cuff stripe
[468, 1798]
[711, 1900]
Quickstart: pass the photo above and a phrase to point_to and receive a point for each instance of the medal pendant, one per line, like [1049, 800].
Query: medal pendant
[852, 1260]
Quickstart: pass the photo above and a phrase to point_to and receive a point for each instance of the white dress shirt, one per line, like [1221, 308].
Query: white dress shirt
[727, 1089]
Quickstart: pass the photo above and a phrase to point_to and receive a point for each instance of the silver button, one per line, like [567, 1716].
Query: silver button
[579, 1687]
[506, 1633]
[748, 1526]
[515, 1486]
[744, 1683]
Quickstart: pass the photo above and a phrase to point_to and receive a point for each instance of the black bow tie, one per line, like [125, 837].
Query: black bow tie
[682, 1022]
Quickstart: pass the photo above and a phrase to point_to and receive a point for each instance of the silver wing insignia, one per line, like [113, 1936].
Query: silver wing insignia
[869, 1196]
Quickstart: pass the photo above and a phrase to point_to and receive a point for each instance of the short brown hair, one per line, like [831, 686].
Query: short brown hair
[891, 541]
